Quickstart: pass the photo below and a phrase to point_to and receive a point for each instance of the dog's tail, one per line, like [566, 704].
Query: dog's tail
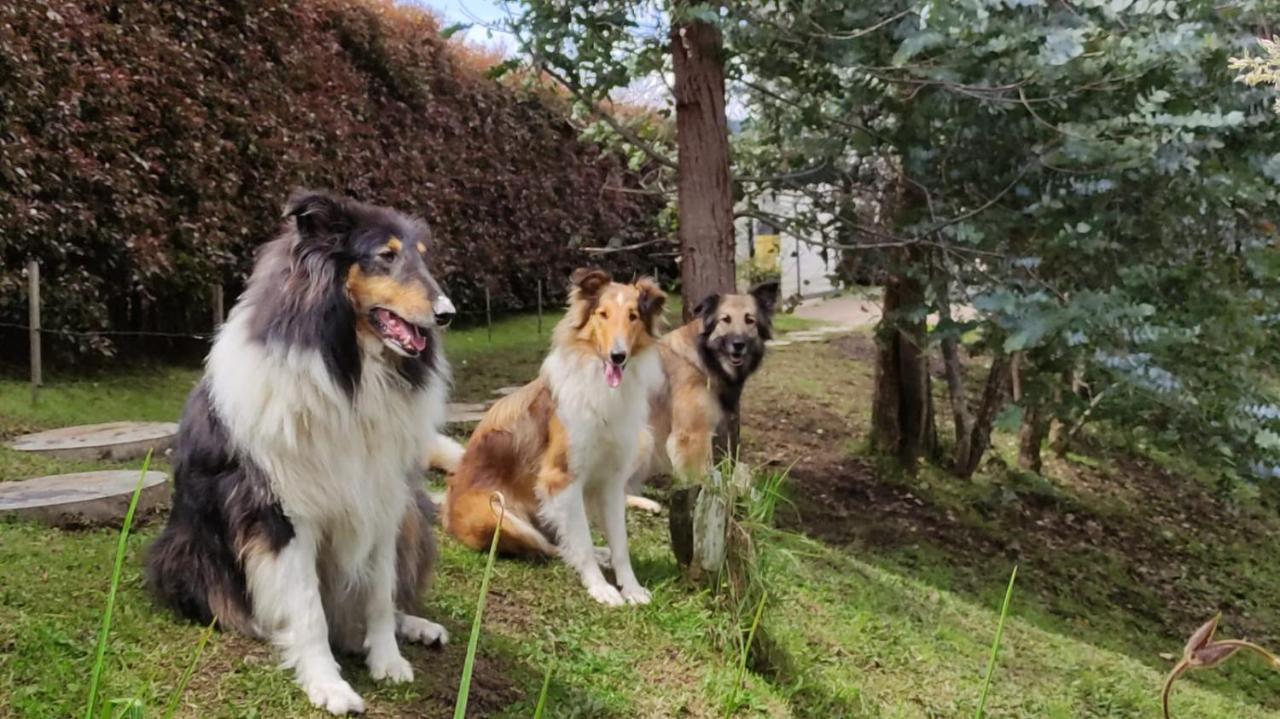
[443, 453]
[191, 570]
[519, 536]
[472, 517]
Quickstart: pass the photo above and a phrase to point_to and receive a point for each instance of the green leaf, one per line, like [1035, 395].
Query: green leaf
[1267, 440]
[499, 70]
[1010, 419]
[454, 29]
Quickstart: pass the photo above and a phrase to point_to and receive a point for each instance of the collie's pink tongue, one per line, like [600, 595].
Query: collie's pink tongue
[403, 332]
[612, 375]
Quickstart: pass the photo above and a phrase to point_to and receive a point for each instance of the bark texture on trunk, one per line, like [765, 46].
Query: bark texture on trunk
[704, 191]
[902, 410]
[1035, 427]
[992, 401]
[962, 418]
[704, 196]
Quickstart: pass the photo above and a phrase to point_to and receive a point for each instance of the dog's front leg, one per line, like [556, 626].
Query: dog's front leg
[613, 511]
[568, 513]
[288, 609]
[383, 654]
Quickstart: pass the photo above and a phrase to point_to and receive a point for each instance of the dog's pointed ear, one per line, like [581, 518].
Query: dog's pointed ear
[707, 308]
[321, 218]
[651, 301]
[766, 294]
[588, 281]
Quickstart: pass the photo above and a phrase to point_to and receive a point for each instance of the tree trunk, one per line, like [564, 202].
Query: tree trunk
[704, 194]
[1035, 425]
[704, 198]
[902, 410]
[962, 418]
[992, 401]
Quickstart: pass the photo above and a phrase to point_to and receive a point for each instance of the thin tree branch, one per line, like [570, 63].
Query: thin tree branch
[624, 132]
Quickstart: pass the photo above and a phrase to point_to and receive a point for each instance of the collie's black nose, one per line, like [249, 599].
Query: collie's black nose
[618, 357]
[443, 311]
[738, 346]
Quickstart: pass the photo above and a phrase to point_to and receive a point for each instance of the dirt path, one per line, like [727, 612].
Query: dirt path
[849, 311]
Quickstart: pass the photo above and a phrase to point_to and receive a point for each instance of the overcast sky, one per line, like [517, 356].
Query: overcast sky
[484, 15]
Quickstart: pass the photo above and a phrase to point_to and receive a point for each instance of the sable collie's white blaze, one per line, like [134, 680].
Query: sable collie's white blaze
[296, 518]
[561, 448]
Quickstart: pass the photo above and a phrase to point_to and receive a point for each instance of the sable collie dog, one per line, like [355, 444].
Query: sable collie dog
[563, 446]
[706, 362]
[295, 516]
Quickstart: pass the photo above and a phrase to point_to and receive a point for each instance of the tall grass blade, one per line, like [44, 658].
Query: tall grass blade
[464, 686]
[542, 695]
[100, 658]
[995, 646]
[745, 650]
[172, 709]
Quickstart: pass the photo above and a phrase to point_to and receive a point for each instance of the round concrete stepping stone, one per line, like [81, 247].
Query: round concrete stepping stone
[113, 440]
[464, 412]
[504, 391]
[84, 498]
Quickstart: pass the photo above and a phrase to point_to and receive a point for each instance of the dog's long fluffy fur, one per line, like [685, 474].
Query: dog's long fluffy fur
[295, 517]
[562, 447]
[706, 363]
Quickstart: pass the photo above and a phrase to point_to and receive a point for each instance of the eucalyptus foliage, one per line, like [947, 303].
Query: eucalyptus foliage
[1087, 175]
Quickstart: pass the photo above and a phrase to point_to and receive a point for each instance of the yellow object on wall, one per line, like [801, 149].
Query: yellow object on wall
[767, 251]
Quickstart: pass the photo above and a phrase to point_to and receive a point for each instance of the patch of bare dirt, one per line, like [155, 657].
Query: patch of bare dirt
[1128, 541]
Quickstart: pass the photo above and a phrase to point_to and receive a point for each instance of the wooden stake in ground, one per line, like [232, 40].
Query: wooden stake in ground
[33, 303]
[219, 316]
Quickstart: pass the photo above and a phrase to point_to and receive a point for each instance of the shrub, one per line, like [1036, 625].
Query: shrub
[148, 147]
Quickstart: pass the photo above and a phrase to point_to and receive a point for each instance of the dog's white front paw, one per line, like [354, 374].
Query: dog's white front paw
[605, 594]
[390, 667]
[423, 631]
[644, 504]
[335, 697]
[636, 595]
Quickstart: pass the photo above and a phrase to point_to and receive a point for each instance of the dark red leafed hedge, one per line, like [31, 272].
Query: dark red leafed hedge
[146, 149]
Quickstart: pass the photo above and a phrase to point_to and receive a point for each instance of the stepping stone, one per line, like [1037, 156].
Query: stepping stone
[84, 498]
[806, 337]
[779, 343]
[504, 391]
[464, 412]
[113, 440]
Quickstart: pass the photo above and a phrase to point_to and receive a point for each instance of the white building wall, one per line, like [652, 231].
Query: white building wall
[803, 271]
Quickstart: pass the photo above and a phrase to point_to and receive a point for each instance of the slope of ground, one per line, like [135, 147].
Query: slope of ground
[883, 594]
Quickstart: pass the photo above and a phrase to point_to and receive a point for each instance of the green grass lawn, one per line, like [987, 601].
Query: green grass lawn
[854, 626]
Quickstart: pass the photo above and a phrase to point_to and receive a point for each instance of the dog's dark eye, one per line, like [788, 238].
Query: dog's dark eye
[725, 319]
[387, 255]
[750, 320]
[633, 316]
[604, 314]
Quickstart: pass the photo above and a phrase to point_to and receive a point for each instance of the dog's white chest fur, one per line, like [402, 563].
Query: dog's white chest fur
[604, 424]
[340, 463]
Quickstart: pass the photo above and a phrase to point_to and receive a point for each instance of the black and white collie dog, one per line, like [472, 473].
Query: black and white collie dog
[296, 518]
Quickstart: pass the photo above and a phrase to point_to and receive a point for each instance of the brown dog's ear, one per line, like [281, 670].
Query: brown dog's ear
[766, 294]
[588, 281]
[652, 300]
[706, 310]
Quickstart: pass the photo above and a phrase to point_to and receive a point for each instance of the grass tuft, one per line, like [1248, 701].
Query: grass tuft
[468, 666]
[100, 658]
[995, 647]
